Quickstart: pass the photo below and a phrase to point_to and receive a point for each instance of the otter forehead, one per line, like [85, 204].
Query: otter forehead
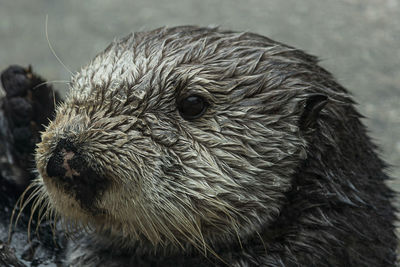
[146, 66]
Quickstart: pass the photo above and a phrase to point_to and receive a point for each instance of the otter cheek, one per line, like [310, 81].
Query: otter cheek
[69, 171]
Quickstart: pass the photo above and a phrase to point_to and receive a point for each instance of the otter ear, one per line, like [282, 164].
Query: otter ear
[314, 104]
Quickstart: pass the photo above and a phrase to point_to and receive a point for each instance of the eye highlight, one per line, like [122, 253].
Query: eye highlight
[192, 107]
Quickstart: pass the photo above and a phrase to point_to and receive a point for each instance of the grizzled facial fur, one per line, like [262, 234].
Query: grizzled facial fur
[182, 136]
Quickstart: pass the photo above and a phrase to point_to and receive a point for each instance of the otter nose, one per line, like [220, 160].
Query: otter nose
[58, 166]
[55, 165]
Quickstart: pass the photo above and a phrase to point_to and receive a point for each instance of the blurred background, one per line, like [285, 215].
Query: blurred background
[357, 40]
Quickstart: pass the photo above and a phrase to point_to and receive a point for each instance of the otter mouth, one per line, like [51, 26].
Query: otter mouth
[70, 172]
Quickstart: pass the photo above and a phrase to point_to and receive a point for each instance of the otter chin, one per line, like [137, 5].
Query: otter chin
[198, 146]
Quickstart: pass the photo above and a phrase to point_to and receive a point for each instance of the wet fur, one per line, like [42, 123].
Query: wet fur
[277, 172]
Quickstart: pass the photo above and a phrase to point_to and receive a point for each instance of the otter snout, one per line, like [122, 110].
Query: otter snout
[69, 170]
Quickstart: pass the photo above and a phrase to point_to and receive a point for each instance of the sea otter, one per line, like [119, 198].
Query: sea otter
[193, 146]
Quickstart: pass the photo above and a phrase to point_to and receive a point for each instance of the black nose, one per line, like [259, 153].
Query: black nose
[55, 165]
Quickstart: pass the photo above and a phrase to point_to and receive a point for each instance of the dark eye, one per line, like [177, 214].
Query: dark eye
[192, 107]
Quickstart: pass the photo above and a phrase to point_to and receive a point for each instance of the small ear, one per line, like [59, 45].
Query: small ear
[314, 104]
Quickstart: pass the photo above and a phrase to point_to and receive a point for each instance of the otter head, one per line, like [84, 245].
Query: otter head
[180, 136]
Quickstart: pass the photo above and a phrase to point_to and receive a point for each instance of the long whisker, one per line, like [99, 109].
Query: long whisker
[26, 202]
[21, 204]
[36, 204]
[54, 100]
[13, 212]
[51, 47]
[42, 211]
[50, 82]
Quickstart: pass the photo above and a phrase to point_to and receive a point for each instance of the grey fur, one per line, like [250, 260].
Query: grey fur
[277, 172]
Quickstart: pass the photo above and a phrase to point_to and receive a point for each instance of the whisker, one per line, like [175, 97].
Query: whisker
[54, 100]
[42, 212]
[51, 47]
[21, 204]
[35, 206]
[50, 82]
[26, 202]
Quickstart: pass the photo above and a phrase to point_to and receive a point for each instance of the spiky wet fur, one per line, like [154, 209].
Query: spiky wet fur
[244, 184]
